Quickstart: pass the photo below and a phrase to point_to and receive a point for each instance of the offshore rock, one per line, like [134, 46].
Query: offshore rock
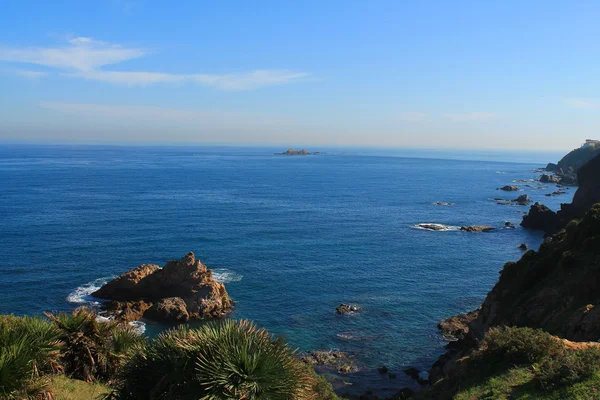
[477, 228]
[545, 178]
[509, 188]
[179, 291]
[541, 218]
[347, 309]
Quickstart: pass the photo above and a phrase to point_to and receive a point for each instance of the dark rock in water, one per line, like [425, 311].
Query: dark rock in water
[457, 327]
[477, 228]
[337, 360]
[382, 370]
[523, 246]
[180, 291]
[540, 217]
[509, 225]
[509, 188]
[551, 167]
[416, 375]
[522, 200]
[545, 178]
[346, 308]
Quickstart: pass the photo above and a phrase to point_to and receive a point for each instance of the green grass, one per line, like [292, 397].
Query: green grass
[72, 389]
[519, 384]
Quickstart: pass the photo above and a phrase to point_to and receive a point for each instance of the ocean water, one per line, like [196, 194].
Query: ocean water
[292, 237]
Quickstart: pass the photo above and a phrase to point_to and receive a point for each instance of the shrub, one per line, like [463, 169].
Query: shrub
[221, 360]
[519, 346]
[568, 368]
[29, 347]
[92, 349]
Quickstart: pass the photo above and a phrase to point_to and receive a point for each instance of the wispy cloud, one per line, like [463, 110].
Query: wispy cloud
[82, 54]
[241, 81]
[471, 116]
[585, 104]
[84, 58]
[30, 74]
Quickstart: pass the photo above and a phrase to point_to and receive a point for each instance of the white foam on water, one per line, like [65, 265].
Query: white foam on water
[139, 326]
[83, 294]
[224, 275]
[435, 227]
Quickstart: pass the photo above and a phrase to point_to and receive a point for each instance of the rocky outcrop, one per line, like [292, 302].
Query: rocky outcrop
[457, 327]
[179, 291]
[522, 200]
[509, 188]
[541, 218]
[545, 178]
[477, 228]
[346, 309]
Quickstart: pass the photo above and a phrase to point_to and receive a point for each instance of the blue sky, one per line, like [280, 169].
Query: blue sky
[459, 74]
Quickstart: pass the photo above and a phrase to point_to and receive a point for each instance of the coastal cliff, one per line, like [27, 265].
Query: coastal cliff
[588, 193]
[553, 290]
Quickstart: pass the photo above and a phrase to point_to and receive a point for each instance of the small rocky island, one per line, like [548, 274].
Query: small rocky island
[294, 152]
[180, 291]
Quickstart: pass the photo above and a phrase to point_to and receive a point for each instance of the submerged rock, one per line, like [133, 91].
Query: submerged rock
[337, 360]
[180, 291]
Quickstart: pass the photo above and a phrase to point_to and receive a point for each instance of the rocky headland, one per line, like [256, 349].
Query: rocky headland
[554, 289]
[567, 168]
[180, 291]
[541, 217]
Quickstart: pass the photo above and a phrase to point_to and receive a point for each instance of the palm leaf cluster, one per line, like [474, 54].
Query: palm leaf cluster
[29, 349]
[219, 361]
[93, 349]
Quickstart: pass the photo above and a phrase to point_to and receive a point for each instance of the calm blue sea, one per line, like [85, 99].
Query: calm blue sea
[292, 237]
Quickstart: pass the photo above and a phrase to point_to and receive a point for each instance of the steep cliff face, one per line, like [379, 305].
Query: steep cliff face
[588, 193]
[555, 288]
[577, 158]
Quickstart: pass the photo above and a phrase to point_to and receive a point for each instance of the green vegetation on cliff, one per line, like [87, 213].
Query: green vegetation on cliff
[578, 157]
[522, 363]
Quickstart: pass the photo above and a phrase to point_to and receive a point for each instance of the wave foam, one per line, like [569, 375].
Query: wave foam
[436, 227]
[83, 294]
[224, 275]
[139, 326]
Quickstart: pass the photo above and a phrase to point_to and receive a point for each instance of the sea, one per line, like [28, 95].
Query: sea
[292, 237]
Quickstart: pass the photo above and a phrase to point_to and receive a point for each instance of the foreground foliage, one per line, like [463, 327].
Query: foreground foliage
[224, 360]
[93, 349]
[29, 348]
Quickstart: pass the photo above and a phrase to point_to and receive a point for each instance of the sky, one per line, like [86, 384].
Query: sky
[427, 74]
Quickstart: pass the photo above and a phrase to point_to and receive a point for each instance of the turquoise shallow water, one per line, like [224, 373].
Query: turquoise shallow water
[292, 237]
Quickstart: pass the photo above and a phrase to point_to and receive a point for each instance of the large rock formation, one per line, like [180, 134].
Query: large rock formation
[180, 291]
[541, 218]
